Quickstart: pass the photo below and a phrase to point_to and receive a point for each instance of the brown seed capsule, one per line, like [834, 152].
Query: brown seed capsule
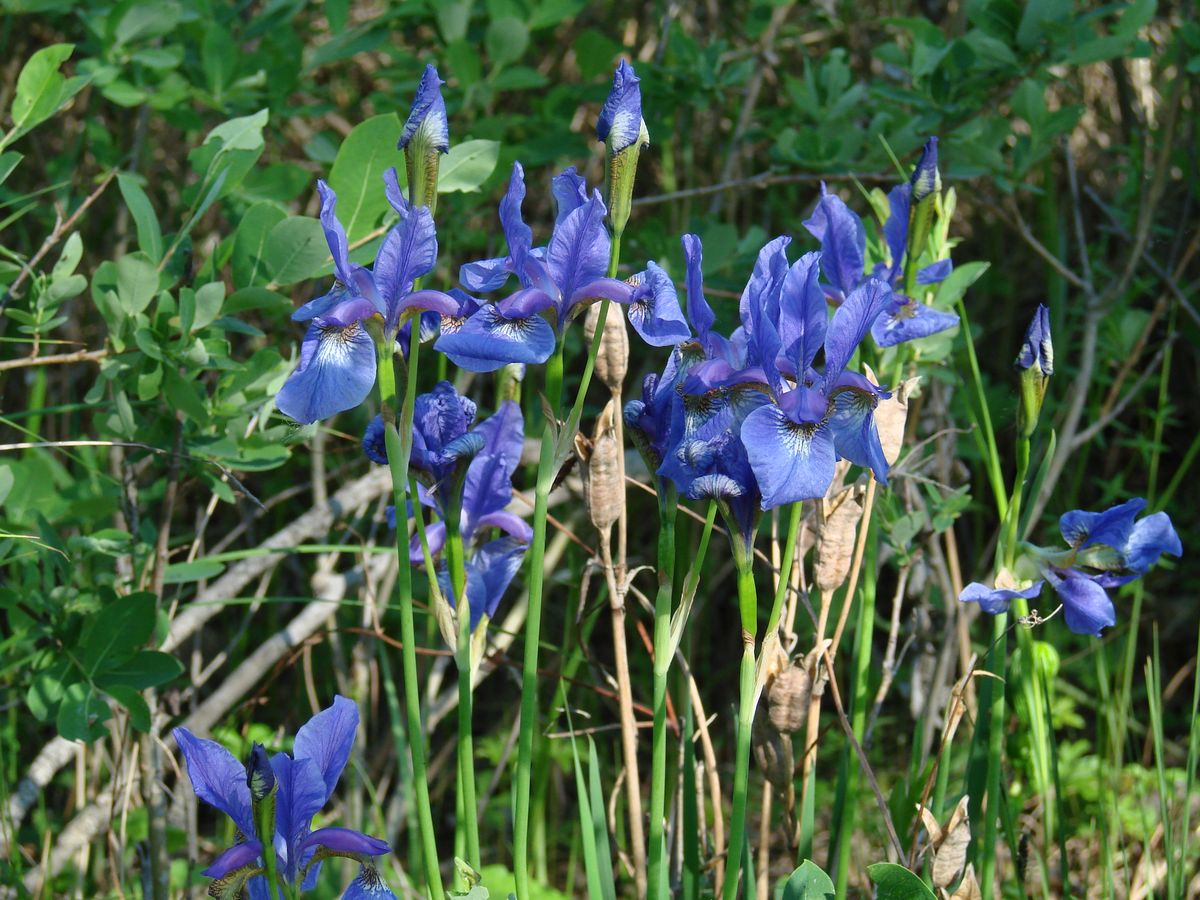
[599, 461]
[773, 753]
[787, 699]
[612, 359]
[835, 543]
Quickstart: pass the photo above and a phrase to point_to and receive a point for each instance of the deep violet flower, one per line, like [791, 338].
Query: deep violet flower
[300, 785]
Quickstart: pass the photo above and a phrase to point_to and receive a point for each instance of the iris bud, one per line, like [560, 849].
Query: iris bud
[624, 134]
[260, 777]
[1035, 363]
[426, 136]
[926, 186]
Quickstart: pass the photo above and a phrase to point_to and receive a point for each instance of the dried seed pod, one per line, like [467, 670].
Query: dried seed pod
[787, 699]
[835, 544]
[891, 416]
[968, 888]
[600, 464]
[612, 360]
[949, 844]
[773, 753]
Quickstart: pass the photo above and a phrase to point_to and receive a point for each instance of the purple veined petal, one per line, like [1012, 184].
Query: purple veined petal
[895, 229]
[335, 234]
[570, 193]
[369, 885]
[935, 272]
[1087, 608]
[408, 252]
[763, 288]
[1112, 527]
[804, 404]
[518, 234]
[925, 179]
[843, 241]
[302, 793]
[440, 416]
[217, 777]
[258, 889]
[239, 856]
[318, 306]
[1152, 536]
[336, 372]
[488, 485]
[430, 300]
[488, 341]
[485, 274]
[654, 311]
[579, 248]
[525, 303]
[620, 120]
[802, 315]
[395, 194]
[345, 840]
[791, 462]
[855, 437]
[850, 324]
[374, 444]
[489, 573]
[996, 600]
[507, 522]
[594, 291]
[435, 536]
[428, 114]
[909, 320]
[699, 312]
[764, 343]
[326, 739]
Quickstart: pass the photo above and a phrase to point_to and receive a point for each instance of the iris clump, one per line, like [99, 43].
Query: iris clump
[273, 801]
[1105, 550]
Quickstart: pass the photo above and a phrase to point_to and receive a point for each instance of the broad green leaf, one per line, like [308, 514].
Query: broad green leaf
[250, 242]
[893, 882]
[809, 882]
[357, 174]
[209, 299]
[296, 250]
[452, 18]
[41, 89]
[134, 703]
[149, 232]
[82, 713]
[182, 573]
[146, 668]
[184, 396]
[506, 40]
[8, 162]
[467, 166]
[120, 627]
[952, 289]
[1135, 17]
[137, 282]
[228, 152]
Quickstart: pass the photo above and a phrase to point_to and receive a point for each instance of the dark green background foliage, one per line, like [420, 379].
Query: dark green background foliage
[156, 231]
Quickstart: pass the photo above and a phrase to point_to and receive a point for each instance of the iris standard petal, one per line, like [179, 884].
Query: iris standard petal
[516, 232]
[620, 120]
[895, 229]
[791, 462]
[326, 739]
[301, 795]
[907, 320]
[507, 522]
[654, 311]
[488, 341]
[579, 248]
[1087, 608]
[427, 117]
[1112, 527]
[488, 485]
[336, 372]
[803, 319]
[570, 192]
[485, 274]
[1151, 537]
[699, 312]
[996, 600]
[843, 241]
[239, 856]
[335, 234]
[345, 840]
[850, 324]
[935, 272]
[217, 778]
[408, 252]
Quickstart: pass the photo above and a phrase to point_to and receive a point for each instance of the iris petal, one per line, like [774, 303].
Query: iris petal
[1087, 608]
[843, 241]
[791, 462]
[654, 312]
[336, 372]
[217, 778]
[345, 840]
[909, 320]
[996, 600]
[487, 341]
[326, 739]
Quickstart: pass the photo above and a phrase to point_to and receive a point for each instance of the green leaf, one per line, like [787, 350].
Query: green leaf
[183, 573]
[296, 250]
[1136, 16]
[452, 18]
[146, 668]
[357, 174]
[229, 151]
[209, 300]
[809, 882]
[41, 89]
[134, 703]
[467, 166]
[506, 40]
[184, 396]
[137, 282]
[952, 289]
[122, 626]
[893, 882]
[82, 713]
[8, 162]
[149, 232]
[250, 242]
[7, 479]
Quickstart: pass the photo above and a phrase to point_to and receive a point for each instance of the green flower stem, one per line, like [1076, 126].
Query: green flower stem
[748, 605]
[995, 713]
[667, 503]
[995, 478]
[399, 446]
[456, 556]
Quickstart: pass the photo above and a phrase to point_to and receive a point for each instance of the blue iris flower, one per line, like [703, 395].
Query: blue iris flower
[556, 281]
[620, 124]
[843, 257]
[460, 463]
[305, 781]
[337, 357]
[427, 121]
[1106, 549]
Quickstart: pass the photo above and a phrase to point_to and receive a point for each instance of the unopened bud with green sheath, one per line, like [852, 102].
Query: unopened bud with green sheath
[260, 779]
[1035, 363]
[623, 131]
[425, 138]
[925, 186]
